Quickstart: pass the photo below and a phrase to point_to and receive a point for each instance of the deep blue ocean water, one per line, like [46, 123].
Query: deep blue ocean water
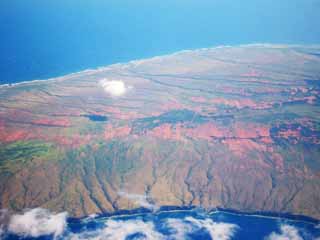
[186, 224]
[42, 39]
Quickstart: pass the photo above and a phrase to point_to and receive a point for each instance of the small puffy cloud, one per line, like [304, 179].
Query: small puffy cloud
[38, 222]
[287, 232]
[121, 230]
[140, 200]
[221, 231]
[178, 228]
[115, 88]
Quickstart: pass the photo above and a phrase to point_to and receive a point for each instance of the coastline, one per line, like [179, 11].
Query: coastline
[162, 221]
[169, 209]
[102, 68]
[138, 61]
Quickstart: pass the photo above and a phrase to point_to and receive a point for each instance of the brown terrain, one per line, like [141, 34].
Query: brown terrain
[232, 127]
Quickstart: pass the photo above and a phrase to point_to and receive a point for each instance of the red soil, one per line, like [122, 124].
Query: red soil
[167, 131]
[61, 122]
[116, 132]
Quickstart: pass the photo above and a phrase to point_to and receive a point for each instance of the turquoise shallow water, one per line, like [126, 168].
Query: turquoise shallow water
[183, 224]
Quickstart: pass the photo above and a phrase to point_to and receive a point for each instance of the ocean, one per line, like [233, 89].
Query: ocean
[45, 39]
[169, 224]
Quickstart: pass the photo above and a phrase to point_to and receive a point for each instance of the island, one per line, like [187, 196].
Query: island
[234, 127]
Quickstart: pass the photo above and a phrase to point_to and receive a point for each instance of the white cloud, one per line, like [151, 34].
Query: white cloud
[217, 231]
[38, 222]
[287, 232]
[178, 228]
[115, 88]
[181, 228]
[120, 230]
[141, 200]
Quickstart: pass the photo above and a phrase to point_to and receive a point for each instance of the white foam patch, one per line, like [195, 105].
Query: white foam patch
[287, 232]
[217, 231]
[139, 199]
[38, 222]
[115, 88]
[121, 230]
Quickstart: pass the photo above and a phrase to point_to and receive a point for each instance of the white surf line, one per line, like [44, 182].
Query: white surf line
[142, 60]
[209, 213]
[59, 78]
[115, 216]
[136, 214]
[260, 216]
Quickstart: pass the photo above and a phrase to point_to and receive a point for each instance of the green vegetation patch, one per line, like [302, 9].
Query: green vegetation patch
[21, 152]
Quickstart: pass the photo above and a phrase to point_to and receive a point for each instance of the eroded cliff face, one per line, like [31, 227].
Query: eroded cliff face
[235, 127]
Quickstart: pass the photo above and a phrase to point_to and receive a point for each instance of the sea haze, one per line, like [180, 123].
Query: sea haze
[43, 39]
